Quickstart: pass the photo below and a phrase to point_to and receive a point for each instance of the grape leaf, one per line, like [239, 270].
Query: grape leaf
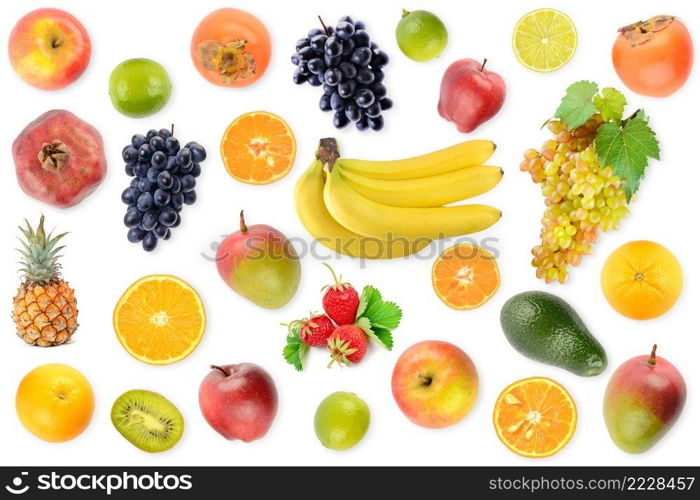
[627, 150]
[577, 105]
[369, 296]
[295, 350]
[610, 103]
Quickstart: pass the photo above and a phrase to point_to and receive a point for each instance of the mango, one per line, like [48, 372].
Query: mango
[644, 398]
[260, 264]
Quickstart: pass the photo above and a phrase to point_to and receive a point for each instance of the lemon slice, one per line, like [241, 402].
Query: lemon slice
[544, 40]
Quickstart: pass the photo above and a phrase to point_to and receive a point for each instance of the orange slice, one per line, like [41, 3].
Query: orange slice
[465, 276]
[258, 148]
[159, 319]
[535, 417]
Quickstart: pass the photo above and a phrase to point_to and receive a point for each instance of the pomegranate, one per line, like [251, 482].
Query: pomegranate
[59, 159]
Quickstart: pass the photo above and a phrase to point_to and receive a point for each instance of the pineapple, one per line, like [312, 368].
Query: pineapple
[44, 309]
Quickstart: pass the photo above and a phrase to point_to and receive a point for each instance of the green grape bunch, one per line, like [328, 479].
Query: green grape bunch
[581, 196]
[586, 174]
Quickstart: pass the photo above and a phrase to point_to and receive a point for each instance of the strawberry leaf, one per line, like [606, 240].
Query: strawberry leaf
[295, 350]
[383, 336]
[627, 150]
[610, 103]
[384, 315]
[577, 105]
[369, 296]
[365, 325]
[376, 317]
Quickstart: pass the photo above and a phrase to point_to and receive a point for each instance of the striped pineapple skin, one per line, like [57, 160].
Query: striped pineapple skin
[45, 314]
[44, 310]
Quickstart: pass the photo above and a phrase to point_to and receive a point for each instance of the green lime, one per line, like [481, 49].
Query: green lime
[139, 87]
[421, 35]
[341, 420]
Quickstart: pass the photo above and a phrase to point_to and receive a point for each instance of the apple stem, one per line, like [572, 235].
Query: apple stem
[483, 65]
[57, 42]
[244, 228]
[405, 12]
[652, 357]
[426, 380]
[214, 367]
[325, 28]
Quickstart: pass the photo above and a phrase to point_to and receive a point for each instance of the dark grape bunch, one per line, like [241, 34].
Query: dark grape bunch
[164, 178]
[348, 65]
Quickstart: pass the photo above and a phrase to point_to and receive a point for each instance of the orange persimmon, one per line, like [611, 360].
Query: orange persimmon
[654, 57]
[231, 48]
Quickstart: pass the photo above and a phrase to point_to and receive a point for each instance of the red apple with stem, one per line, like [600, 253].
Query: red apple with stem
[238, 401]
[49, 48]
[470, 94]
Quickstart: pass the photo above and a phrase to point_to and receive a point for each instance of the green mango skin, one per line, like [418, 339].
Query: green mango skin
[644, 398]
[259, 264]
[546, 328]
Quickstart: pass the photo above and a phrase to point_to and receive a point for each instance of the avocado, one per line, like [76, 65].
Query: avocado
[546, 328]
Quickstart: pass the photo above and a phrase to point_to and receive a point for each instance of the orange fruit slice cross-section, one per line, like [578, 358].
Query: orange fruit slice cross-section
[159, 319]
[258, 148]
[465, 276]
[535, 417]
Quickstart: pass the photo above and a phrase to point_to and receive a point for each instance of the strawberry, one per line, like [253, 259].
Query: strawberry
[347, 345]
[340, 301]
[314, 331]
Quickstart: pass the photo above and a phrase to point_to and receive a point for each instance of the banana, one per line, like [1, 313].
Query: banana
[366, 217]
[468, 153]
[308, 199]
[432, 191]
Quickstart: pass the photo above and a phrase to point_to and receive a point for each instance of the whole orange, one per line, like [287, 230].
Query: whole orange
[55, 402]
[642, 279]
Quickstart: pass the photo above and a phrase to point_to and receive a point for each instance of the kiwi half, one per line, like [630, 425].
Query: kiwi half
[147, 420]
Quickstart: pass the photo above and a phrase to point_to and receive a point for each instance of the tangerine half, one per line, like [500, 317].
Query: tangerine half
[258, 148]
[465, 276]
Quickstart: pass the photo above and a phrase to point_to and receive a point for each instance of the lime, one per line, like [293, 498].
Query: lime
[341, 420]
[544, 40]
[421, 35]
[139, 87]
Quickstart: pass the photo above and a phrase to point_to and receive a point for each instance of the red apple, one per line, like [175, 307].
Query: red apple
[238, 401]
[469, 94]
[435, 384]
[49, 48]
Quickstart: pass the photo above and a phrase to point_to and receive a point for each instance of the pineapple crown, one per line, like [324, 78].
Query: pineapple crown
[39, 253]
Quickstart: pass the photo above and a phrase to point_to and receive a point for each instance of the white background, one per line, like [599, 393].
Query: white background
[100, 264]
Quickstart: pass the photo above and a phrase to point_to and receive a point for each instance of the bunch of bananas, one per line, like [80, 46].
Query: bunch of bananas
[388, 209]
